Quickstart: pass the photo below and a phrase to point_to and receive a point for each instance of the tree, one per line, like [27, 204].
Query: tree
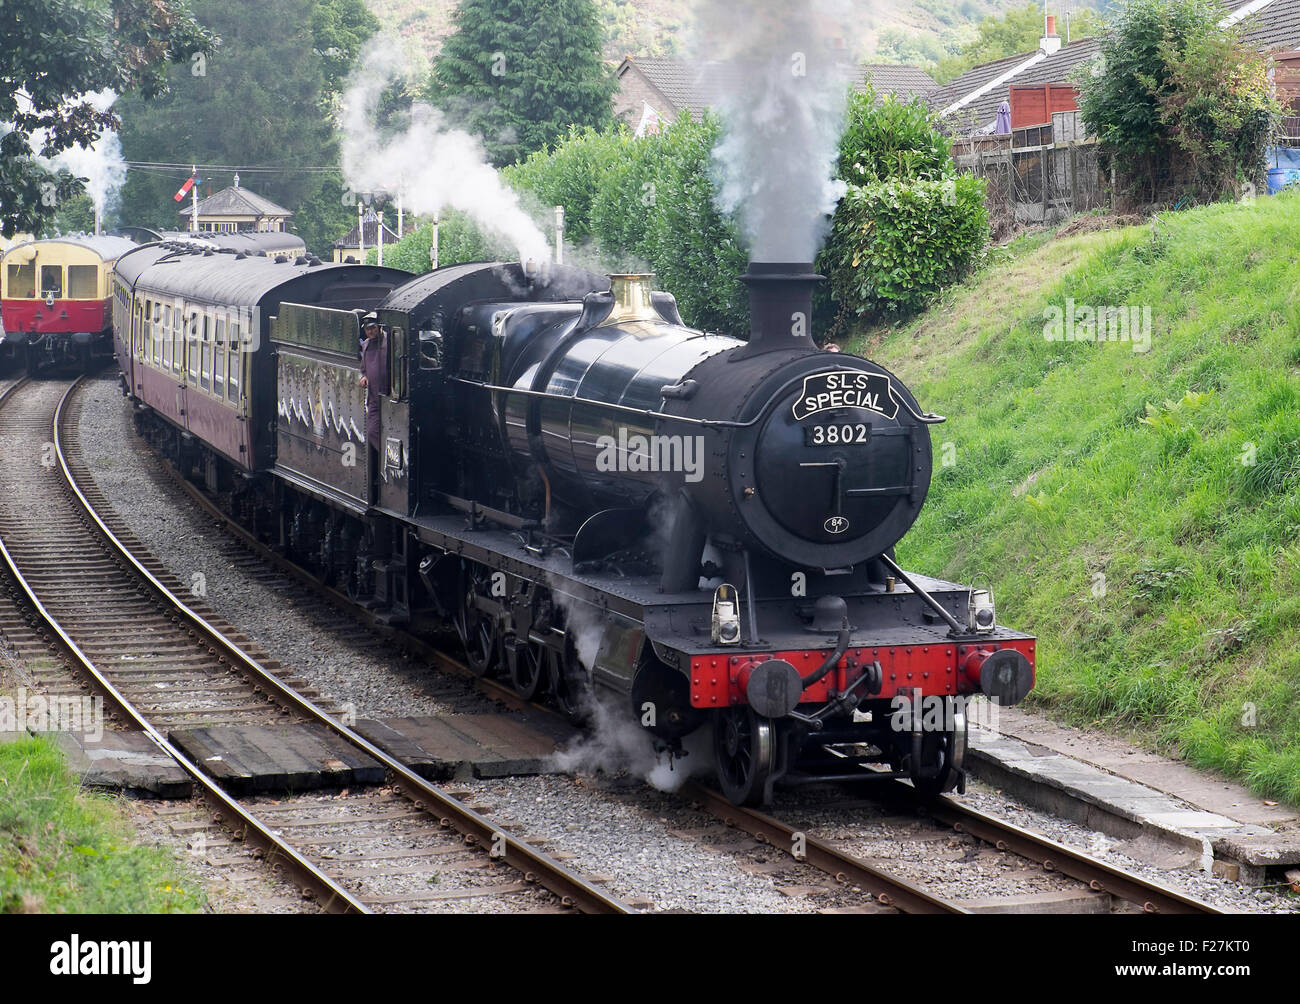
[56, 51]
[519, 73]
[264, 100]
[1183, 107]
[1018, 30]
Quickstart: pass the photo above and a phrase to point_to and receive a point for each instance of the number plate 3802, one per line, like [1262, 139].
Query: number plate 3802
[839, 434]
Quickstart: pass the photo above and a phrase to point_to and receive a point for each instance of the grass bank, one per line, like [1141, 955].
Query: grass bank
[67, 851]
[1137, 510]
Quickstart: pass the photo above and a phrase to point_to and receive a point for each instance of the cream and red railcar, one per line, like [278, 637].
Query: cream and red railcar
[55, 299]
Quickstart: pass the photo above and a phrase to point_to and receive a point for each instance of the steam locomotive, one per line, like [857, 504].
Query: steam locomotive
[603, 502]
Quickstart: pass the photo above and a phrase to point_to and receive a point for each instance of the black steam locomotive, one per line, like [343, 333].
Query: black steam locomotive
[601, 500]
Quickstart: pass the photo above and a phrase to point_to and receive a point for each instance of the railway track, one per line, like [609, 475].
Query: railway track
[946, 817]
[883, 885]
[161, 663]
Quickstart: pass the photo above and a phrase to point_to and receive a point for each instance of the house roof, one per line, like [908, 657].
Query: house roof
[903, 81]
[696, 87]
[1274, 25]
[234, 201]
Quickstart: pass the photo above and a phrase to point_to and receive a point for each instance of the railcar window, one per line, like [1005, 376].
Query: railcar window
[51, 280]
[157, 333]
[83, 282]
[22, 281]
[146, 332]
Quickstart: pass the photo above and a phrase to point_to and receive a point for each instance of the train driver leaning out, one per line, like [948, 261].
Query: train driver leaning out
[374, 378]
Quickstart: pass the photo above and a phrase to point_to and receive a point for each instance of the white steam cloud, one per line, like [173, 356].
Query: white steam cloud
[101, 164]
[781, 70]
[615, 741]
[431, 165]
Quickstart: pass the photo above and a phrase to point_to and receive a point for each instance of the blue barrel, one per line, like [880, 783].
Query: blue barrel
[1280, 177]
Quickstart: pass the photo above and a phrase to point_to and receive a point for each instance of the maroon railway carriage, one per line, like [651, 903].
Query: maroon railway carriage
[192, 339]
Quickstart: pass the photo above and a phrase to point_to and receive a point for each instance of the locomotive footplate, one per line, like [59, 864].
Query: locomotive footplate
[893, 629]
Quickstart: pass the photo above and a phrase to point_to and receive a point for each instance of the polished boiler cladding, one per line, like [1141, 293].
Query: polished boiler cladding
[603, 502]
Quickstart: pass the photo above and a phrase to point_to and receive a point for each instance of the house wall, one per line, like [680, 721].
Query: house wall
[633, 92]
[1034, 105]
[1286, 79]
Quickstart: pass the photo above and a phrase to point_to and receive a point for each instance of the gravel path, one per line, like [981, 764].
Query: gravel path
[340, 659]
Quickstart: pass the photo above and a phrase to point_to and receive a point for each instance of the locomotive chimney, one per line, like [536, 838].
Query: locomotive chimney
[780, 306]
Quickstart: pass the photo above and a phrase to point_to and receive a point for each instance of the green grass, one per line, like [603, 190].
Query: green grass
[66, 851]
[1105, 492]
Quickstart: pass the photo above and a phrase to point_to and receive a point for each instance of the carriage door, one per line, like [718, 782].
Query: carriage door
[395, 423]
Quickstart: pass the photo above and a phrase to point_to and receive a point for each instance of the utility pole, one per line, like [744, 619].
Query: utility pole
[361, 233]
[379, 234]
[194, 198]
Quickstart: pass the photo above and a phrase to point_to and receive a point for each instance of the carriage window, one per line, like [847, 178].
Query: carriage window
[233, 374]
[157, 333]
[219, 360]
[145, 332]
[51, 280]
[83, 282]
[192, 347]
[397, 364]
[205, 376]
[22, 281]
[178, 346]
[167, 342]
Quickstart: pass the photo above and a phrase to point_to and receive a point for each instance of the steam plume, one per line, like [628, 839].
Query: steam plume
[780, 70]
[101, 164]
[431, 165]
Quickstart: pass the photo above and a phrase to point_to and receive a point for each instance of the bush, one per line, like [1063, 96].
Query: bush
[1183, 109]
[891, 139]
[649, 203]
[897, 243]
[459, 240]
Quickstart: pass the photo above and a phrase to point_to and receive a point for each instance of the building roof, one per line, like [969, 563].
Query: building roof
[236, 201]
[896, 79]
[1274, 25]
[695, 87]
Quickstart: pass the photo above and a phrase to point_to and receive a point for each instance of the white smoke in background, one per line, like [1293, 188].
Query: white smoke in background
[781, 70]
[101, 164]
[430, 164]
